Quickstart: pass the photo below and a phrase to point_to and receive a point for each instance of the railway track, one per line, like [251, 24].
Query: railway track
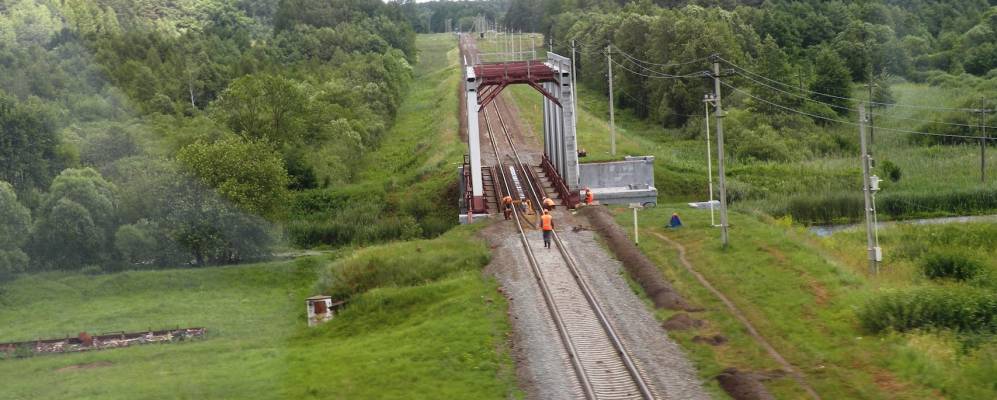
[602, 365]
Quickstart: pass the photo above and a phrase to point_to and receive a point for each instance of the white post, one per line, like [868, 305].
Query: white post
[709, 163]
[612, 118]
[636, 234]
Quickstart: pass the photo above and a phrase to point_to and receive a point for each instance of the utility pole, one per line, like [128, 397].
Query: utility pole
[720, 151]
[983, 144]
[533, 47]
[550, 42]
[872, 106]
[870, 205]
[612, 117]
[709, 157]
[574, 86]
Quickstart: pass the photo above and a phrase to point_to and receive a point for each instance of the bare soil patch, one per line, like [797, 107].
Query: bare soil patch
[642, 269]
[742, 385]
[714, 340]
[96, 364]
[682, 322]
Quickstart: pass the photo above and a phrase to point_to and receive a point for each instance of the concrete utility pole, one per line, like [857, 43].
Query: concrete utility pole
[550, 42]
[720, 152]
[983, 144]
[872, 132]
[709, 157]
[533, 47]
[870, 205]
[612, 117]
[574, 86]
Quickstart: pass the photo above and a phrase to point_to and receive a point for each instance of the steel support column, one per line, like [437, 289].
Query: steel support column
[474, 143]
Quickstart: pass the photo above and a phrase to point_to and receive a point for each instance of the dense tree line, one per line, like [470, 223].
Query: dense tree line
[822, 49]
[146, 134]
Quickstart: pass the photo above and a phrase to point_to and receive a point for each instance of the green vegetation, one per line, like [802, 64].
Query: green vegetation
[444, 333]
[952, 265]
[811, 299]
[406, 188]
[191, 121]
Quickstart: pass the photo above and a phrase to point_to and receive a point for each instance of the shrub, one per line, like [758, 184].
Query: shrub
[890, 170]
[960, 308]
[950, 265]
[404, 263]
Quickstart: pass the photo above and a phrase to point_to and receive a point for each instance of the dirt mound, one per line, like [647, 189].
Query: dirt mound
[642, 270]
[714, 340]
[681, 322]
[742, 385]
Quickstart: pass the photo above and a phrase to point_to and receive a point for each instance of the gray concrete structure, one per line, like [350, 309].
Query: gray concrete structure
[621, 182]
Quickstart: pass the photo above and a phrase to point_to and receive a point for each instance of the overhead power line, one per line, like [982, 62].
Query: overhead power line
[793, 110]
[808, 98]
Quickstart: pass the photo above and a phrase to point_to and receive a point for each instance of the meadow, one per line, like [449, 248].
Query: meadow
[439, 335]
[809, 297]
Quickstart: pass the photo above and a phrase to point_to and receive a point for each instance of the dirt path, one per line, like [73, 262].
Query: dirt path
[785, 365]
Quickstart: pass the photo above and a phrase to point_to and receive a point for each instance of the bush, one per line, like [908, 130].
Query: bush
[890, 170]
[404, 263]
[826, 208]
[950, 265]
[963, 308]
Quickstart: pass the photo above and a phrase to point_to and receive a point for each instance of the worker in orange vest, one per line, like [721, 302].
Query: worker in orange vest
[547, 224]
[507, 206]
[589, 197]
[548, 204]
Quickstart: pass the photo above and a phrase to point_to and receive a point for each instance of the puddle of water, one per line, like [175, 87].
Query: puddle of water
[828, 230]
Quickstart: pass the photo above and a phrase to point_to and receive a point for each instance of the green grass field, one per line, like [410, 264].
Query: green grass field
[435, 338]
[802, 294]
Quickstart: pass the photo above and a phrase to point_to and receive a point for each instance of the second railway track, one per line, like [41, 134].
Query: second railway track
[599, 358]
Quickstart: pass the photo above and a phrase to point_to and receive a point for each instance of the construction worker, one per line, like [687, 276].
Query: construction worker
[547, 224]
[507, 206]
[548, 204]
[589, 197]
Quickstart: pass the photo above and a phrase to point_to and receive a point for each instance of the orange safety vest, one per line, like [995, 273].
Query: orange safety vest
[548, 222]
[589, 197]
[507, 200]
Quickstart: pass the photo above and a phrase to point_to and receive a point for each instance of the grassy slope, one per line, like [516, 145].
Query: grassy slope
[441, 338]
[801, 294]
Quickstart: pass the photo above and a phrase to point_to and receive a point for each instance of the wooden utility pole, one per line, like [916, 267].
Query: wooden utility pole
[612, 116]
[720, 152]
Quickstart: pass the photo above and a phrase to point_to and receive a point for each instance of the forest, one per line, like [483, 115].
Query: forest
[136, 134]
[794, 73]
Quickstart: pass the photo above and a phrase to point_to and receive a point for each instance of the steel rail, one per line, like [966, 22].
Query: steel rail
[594, 305]
[544, 288]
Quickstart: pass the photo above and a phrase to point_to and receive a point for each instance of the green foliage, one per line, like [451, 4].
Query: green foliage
[405, 264]
[890, 170]
[833, 81]
[15, 221]
[247, 173]
[28, 133]
[75, 223]
[952, 265]
[265, 108]
[960, 308]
